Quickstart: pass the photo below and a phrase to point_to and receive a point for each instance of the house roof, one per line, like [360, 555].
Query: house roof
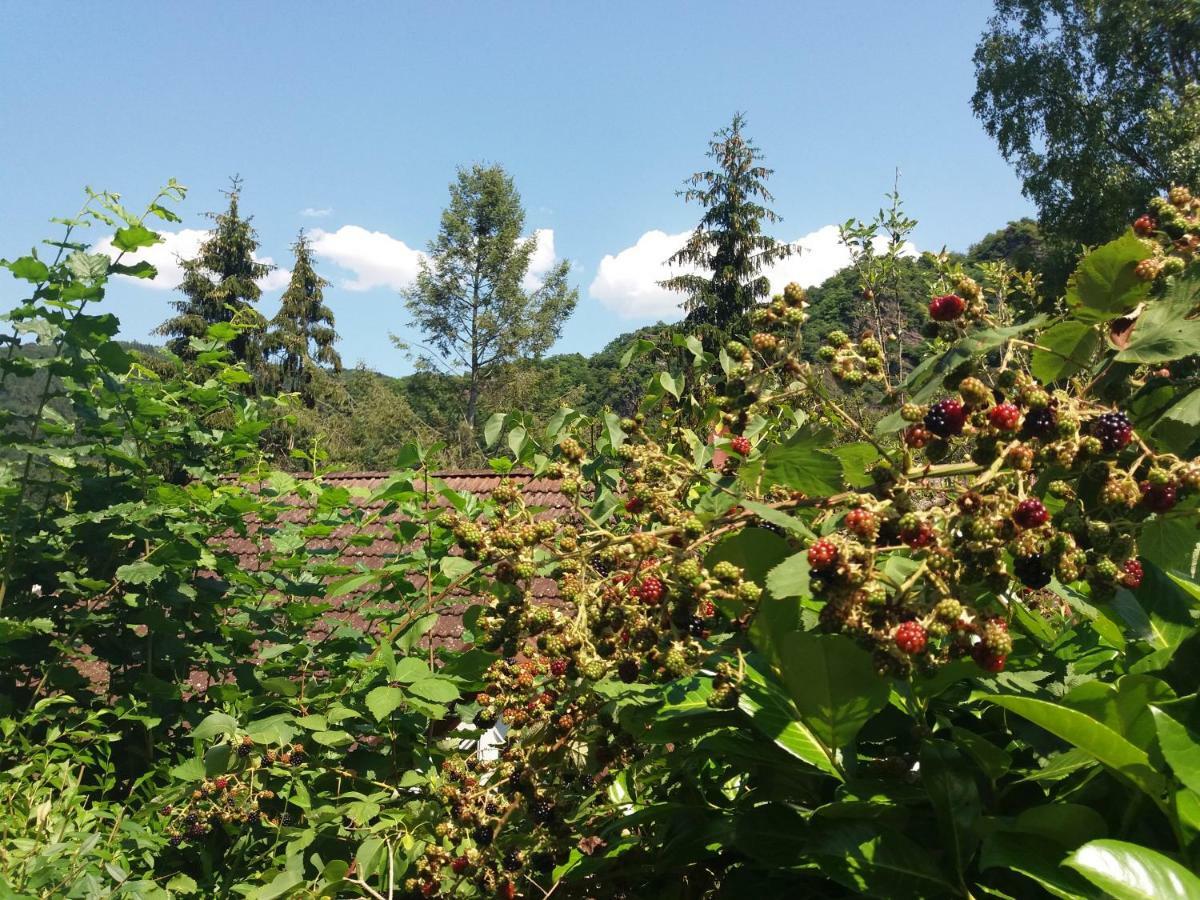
[544, 495]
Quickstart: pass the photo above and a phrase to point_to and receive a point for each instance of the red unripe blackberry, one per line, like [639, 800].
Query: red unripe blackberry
[1159, 497]
[910, 637]
[1134, 573]
[947, 307]
[946, 417]
[558, 667]
[1114, 430]
[1031, 513]
[822, 554]
[741, 444]
[459, 864]
[916, 436]
[1144, 225]
[916, 535]
[633, 504]
[862, 522]
[508, 891]
[651, 590]
[1004, 416]
[987, 660]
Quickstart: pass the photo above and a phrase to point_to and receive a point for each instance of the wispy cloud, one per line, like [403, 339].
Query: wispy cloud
[312, 212]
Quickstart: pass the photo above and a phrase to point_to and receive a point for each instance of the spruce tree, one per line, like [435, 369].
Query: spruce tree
[728, 246]
[220, 285]
[300, 339]
[469, 300]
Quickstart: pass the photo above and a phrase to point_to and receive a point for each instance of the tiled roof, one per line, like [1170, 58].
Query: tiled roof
[541, 494]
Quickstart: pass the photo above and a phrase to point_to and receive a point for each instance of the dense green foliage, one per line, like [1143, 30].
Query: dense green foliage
[1097, 104]
[805, 657]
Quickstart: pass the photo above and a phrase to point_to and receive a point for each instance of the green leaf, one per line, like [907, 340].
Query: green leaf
[493, 428]
[950, 783]
[332, 738]
[770, 713]
[802, 464]
[1162, 333]
[1180, 747]
[777, 517]
[856, 459]
[214, 724]
[454, 567]
[216, 760]
[140, 572]
[134, 238]
[1104, 285]
[435, 690]
[88, 266]
[1127, 871]
[877, 862]
[669, 384]
[383, 701]
[1069, 349]
[410, 668]
[755, 550]
[281, 885]
[28, 268]
[1098, 740]
[833, 684]
[1169, 541]
[790, 578]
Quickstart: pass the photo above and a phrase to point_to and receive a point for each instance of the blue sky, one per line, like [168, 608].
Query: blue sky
[350, 119]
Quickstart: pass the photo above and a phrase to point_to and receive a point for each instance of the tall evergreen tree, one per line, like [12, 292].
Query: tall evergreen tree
[300, 339]
[728, 246]
[220, 285]
[470, 300]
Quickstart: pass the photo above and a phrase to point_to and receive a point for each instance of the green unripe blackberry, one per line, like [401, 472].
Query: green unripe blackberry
[948, 609]
[726, 571]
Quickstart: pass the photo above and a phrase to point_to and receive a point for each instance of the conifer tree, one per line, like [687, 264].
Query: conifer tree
[471, 300]
[728, 246]
[300, 339]
[220, 285]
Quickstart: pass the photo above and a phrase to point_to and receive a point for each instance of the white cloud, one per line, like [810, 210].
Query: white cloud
[542, 260]
[166, 254]
[376, 259]
[311, 212]
[627, 283]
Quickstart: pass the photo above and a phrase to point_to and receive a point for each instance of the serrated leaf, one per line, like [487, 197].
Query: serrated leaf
[769, 711]
[140, 572]
[135, 237]
[1069, 347]
[383, 701]
[435, 690]
[833, 683]
[1162, 333]
[214, 724]
[28, 268]
[1104, 285]
[1180, 747]
[802, 464]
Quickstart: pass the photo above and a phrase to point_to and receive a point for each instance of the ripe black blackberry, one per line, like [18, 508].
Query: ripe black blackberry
[1114, 430]
[946, 418]
[542, 861]
[542, 812]
[482, 835]
[1032, 571]
[1040, 423]
[627, 671]
[512, 860]
[492, 809]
